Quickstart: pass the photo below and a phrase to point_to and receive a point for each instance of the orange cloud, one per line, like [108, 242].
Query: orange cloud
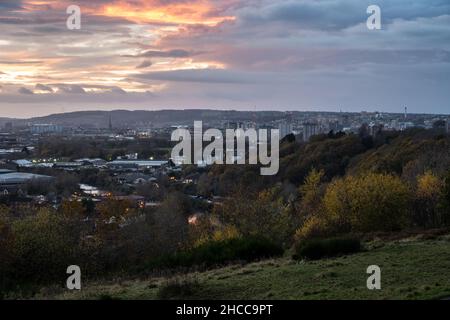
[172, 12]
[202, 12]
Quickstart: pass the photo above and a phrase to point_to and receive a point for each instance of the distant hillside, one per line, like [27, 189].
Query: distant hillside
[410, 153]
[124, 118]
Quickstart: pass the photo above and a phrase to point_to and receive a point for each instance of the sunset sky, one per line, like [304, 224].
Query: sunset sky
[224, 54]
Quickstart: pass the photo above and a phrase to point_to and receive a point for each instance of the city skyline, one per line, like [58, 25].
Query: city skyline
[230, 54]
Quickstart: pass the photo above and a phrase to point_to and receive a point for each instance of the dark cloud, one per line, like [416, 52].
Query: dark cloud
[176, 53]
[14, 62]
[337, 15]
[24, 90]
[276, 53]
[200, 76]
[118, 90]
[10, 4]
[144, 64]
[72, 89]
[42, 87]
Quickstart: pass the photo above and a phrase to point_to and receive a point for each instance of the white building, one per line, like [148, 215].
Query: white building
[45, 128]
[309, 130]
[285, 129]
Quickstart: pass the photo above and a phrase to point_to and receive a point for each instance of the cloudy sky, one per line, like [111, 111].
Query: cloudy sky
[224, 54]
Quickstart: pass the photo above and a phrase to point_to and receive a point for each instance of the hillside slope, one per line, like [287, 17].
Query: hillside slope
[410, 269]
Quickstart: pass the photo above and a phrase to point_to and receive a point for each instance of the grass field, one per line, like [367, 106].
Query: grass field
[410, 269]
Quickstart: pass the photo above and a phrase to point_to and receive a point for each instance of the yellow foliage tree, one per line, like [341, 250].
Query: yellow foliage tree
[311, 193]
[429, 200]
[372, 202]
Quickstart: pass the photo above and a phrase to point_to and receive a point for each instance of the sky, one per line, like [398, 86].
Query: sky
[224, 54]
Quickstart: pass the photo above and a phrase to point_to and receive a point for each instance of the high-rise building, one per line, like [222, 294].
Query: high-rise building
[285, 129]
[310, 129]
[8, 126]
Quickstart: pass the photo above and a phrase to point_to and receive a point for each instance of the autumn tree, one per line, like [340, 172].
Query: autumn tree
[371, 202]
[6, 241]
[428, 207]
[264, 214]
[72, 209]
[311, 192]
[170, 223]
[43, 246]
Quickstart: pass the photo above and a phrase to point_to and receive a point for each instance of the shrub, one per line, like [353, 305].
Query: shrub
[314, 227]
[220, 252]
[446, 201]
[323, 248]
[178, 289]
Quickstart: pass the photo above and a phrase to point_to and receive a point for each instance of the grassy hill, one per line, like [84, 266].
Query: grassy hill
[410, 269]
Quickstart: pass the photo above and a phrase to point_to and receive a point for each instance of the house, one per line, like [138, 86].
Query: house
[68, 166]
[23, 163]
[135, 165]
[134, 178]
[96, 162]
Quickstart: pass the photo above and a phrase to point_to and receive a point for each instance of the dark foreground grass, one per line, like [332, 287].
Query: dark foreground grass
[325, 248]
[410, 270]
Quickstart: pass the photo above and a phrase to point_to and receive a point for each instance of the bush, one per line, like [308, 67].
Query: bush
[323, 248]
[43, 246]
[220, 252]
[178, 289]
[314, 227]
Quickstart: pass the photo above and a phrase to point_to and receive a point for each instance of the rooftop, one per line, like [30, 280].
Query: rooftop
[21, 177]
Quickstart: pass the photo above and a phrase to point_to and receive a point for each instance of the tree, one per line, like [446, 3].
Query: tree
[44, 245]
[72, 209]
[262, 214]
[112, 214]
[311, 193]
[428, 211]
[446, 200]
[89, 206]
[170, 223]
[6, 242]
[373, 202]
[367, 203]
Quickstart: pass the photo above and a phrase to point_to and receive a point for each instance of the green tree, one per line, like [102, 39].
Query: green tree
[263, 214]
[44, 245]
